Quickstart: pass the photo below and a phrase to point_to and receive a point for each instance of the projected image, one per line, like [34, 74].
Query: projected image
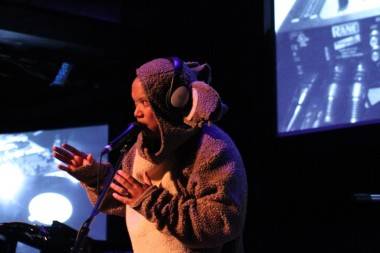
[33, 190]
[328, 63]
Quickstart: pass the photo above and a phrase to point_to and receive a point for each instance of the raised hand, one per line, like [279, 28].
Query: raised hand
[71, 158]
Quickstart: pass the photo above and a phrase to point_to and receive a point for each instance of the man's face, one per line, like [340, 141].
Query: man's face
[143, 111]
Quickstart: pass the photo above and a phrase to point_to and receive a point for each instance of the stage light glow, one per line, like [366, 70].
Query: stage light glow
[28, 168]
[63, 174]
[49, 206]
[11, 181]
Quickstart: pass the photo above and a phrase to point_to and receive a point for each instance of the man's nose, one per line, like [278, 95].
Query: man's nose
[137, 113]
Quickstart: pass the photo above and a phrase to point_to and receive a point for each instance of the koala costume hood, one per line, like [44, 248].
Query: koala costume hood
[177, 126]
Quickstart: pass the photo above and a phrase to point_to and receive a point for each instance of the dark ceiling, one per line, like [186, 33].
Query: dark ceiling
[37, 37]
[104, 39]
[100, 43]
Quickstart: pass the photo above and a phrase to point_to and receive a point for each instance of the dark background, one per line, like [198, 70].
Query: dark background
[300, 187]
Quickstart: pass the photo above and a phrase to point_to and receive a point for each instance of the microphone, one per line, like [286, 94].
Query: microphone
[129, 133]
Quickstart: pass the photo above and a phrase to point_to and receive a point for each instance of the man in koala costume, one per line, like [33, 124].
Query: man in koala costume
[182, 186]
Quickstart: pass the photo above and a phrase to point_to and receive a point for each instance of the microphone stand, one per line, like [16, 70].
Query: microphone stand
[80, 241]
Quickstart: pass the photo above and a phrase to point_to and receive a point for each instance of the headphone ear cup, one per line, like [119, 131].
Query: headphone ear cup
[180, 97]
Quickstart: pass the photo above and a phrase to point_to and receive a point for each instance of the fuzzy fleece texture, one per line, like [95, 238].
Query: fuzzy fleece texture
[199, 206]
[198, 199]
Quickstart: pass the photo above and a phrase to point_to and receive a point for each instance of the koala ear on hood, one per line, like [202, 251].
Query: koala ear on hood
[207, 106]
[202, 71]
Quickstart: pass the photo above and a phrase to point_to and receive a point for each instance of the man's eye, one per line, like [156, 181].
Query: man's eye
[145, 102]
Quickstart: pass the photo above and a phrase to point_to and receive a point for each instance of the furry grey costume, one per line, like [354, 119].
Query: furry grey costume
[198, 199]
